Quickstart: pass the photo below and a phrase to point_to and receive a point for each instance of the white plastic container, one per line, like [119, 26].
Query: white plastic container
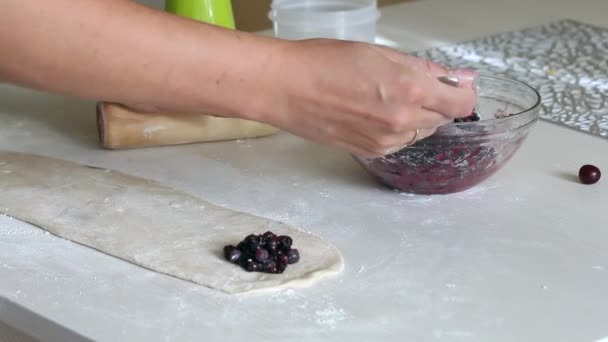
[339, 19]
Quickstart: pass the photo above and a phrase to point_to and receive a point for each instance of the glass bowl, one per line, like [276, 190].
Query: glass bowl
[461, 155]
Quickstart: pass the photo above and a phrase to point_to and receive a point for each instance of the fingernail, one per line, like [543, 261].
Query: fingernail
[466, 77]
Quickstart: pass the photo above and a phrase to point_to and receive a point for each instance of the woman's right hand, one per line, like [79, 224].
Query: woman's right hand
[367, 99]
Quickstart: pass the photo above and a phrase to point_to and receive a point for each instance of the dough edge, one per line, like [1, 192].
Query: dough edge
[333, 266]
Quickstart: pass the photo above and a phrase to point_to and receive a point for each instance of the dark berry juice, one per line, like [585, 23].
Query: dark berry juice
[429, 167]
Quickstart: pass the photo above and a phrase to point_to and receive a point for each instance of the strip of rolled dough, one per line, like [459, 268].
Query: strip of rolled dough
[153, 226]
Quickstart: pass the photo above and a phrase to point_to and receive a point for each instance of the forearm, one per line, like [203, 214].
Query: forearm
[120, 51]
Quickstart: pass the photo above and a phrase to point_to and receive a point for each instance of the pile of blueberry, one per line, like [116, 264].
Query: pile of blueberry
[268, 253]
[473, 117]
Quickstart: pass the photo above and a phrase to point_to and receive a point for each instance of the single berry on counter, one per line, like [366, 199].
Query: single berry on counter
[589, 174]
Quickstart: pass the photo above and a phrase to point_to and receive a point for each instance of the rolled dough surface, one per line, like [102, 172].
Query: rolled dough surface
[150, 225]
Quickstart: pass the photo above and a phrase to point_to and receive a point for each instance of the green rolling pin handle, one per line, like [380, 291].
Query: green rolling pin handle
[217, 12]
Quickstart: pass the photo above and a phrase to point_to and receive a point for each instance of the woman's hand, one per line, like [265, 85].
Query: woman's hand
[365, 98]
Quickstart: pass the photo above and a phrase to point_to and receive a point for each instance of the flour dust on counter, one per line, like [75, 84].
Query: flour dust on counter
[150, 225]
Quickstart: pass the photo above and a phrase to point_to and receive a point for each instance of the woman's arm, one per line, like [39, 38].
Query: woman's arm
[120, 51]
[367, 99]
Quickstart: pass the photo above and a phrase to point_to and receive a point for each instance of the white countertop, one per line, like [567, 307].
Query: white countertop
[521, 257]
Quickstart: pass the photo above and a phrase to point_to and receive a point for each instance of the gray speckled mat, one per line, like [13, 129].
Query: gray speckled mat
[566, 60]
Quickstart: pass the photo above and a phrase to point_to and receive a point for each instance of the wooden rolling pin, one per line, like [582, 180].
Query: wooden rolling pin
[122, 128]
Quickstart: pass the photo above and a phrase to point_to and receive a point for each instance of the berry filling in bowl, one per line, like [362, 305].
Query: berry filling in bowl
[468, 151]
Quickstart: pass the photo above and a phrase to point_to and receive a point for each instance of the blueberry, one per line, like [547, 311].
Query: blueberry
[282, 258]
[281, 267]
[252, 239]
[285, 242]
[249, 245]
[272, 244]
[227, 250]
[267, 236]
[242, 246]
[293, 256]
[235, 256]
[270, 267]
[589, 174]
[473, 117]
[244, 260]
[232, 254]
[261, 255]
[252, 266]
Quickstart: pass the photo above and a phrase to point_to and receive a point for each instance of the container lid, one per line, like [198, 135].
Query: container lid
[323, 12]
